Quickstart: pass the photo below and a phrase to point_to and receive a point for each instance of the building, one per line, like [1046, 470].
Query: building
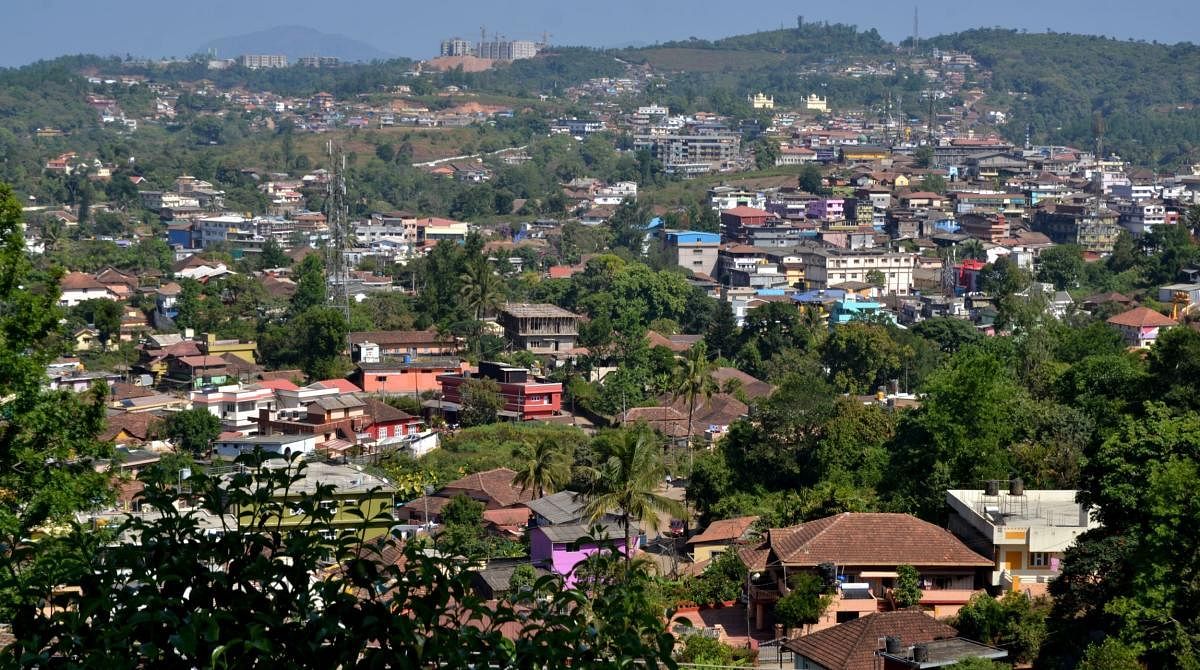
[816, 103]
[402, 343]
[77, 287]
[235, 405]
[825, 268]
[507, 50]
[524, 399]
[540, 328]
[360, 503]
[318, 61]
[860, 552]
[1092, 230]
[693, 251]
[735, 221]
[561, 537]
[1026, 531]
[719, 536]
[408, 376]
[456, 46]
[262, 61]
[335, 422]
[761, 101]
[887, 641]
[1140, 326]
[692, 154]
[230, 447]
[1140, 217]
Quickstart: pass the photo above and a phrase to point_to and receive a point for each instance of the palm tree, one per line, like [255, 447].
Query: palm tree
[625, 481]
[972, 249]
[693, 379]
[542, 466]
[480, 288]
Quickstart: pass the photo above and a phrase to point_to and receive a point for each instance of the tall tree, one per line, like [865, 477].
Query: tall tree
[310, 285]
[480, 288]
[193, 430]
[693, 381]
[47, 438]
[625, 481]
[543, 466]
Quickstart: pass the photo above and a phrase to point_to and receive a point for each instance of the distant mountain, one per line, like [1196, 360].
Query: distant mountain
[294, 41]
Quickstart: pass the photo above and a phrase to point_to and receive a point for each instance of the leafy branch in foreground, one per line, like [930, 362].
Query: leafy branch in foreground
[226, 583]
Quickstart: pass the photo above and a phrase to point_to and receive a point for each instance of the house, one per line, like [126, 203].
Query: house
[524, 399]
[199, 268]
[409, 377]
[130, 428]
[333, 421]
[77, 287]
[1140, 326]
[231, 446]
[667, 421]
[388, 427]
[886, 641]
[359, 502]
[561, 536]
[720, 535]
[865, 549]
[237, 406]
[540, 328]
[692, 251]
[402, 343]
[494, 488]
[678, 344]
[1026, 530]
[1112, 297]
[197, 371]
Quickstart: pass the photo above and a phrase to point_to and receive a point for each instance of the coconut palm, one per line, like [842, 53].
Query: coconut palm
[542, 466]
[480, 290]
[971, 249]
[693, 380]
[625, 482]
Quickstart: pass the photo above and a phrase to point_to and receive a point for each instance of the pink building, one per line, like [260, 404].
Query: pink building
[827, 208]
[524, 399]
[1140, 326]
[561, 537]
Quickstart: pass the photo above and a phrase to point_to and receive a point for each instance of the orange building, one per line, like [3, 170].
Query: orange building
[411, 377]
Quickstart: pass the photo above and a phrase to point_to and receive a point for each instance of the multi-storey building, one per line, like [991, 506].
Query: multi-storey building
[540, 328]
[262, 61]
[457, 46]
[692, 154]
[523, 398]
[828, 267]
[237, 406]
[1094, 230]
[693, 251]
[1027, 532]
[1140, 217]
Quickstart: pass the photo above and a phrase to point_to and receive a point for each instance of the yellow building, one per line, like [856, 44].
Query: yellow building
[815, 103]
[243, 350]
[719, 536]
[356, 500]
[762, 101]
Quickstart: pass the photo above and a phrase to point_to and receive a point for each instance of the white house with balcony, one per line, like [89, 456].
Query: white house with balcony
[235, 405]
[1026, 531]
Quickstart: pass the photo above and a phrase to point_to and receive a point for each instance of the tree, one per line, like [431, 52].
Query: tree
[462, 528]
[1061, 265]
[1111, 654]
[543, 466]
[310, 285]
[700, 651]
[193, 430]
[296, 611]
[105, 315]
[934, 183]
[805, 604]
[908, 586]
[693, 379]
[523, 578]
[766, 153]
[862, 356]
[949, 333]
[481, 290]
[319, 335]
[625, 481]
[481, 402]
[48, 438]
[272, 255]
[876, 278]
[810, 179]
[722, 334]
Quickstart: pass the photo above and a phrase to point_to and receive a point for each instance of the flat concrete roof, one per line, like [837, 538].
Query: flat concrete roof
[1049, 507]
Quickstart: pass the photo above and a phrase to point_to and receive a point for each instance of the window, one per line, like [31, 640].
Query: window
[1039, 559]
[381, 379]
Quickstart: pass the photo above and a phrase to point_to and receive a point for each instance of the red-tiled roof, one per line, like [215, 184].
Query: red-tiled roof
[852, 645]
[277, 385]
[725, 530]
[79, 281]
[496, 485]
[138, 425]
[870, 539]
[1142, 317]
[202, 361]
[746, 212]
[343, 385]
[752, 386]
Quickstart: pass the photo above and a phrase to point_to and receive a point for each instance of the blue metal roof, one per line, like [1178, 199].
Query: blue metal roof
[694, 237]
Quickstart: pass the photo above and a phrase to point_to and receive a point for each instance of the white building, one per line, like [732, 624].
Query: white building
[235, 405]
[1026, 531]
[274, 445]
[1140, 217]
[78, 286]
[827, 267]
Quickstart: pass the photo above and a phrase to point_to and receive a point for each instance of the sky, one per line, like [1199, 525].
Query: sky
[48, 28]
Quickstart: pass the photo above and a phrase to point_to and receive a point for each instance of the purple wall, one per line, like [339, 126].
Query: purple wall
[561, 559]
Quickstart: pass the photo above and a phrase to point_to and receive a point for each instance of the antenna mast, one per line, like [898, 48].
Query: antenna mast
[337, 275]
[916, 32]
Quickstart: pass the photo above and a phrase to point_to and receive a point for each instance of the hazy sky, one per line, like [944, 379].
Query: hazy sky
[47, 28]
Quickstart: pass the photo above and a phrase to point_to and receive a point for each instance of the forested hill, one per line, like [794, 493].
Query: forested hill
[1146, 93]
[820, 39]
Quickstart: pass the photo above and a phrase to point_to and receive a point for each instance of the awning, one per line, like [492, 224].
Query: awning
[335, 446]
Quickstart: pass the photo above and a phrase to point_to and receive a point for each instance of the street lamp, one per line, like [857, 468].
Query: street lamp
[749, 578]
